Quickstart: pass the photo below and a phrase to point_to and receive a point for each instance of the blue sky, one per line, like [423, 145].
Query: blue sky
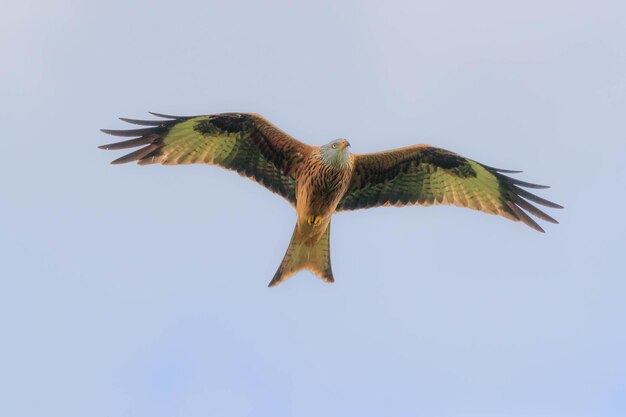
[141, 291]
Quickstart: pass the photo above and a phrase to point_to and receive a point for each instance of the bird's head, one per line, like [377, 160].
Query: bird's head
[336, 153]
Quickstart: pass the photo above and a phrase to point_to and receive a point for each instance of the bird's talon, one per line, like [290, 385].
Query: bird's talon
[314, 220]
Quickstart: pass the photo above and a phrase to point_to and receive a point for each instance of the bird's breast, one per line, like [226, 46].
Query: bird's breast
[320, 189]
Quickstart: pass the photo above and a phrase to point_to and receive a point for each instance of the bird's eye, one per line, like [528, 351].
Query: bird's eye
[334, 146]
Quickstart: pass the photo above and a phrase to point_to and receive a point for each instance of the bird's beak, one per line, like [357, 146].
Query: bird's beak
[344, 144]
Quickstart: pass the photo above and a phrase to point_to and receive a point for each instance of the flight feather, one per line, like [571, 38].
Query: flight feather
[246, 143]
[425, 175]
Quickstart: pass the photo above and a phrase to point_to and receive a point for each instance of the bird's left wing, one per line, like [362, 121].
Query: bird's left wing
[425, 175]
[246, 143]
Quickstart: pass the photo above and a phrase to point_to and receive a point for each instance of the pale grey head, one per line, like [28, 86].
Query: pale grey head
[336, 153]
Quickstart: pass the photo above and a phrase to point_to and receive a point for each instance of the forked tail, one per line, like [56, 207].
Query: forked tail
[300, 255]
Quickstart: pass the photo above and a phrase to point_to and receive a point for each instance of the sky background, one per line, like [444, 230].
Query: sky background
[141, 291]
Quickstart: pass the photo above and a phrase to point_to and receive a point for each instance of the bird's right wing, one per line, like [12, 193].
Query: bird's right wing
[425, 175]
[246, 143]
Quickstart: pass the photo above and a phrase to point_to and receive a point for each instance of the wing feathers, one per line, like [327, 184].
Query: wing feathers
[134, 132]
[255, 148]
[135, 156]
[245, 143]
[167, 116]
[142, 122]
[525, 218]
[132, 143]
[523, 183]
[533, 210]
[536, 199]
[426, 175]
[505, 171]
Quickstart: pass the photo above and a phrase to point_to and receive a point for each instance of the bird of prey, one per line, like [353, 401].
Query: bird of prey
[320, 181]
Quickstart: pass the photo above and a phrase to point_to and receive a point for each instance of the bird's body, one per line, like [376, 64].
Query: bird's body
[319, 188]
[319, 181]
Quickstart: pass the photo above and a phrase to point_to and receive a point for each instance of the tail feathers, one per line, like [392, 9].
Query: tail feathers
[314, 257]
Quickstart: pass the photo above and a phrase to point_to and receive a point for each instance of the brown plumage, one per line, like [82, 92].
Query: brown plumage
[318, 181]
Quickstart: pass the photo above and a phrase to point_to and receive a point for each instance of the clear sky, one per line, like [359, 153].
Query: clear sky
[141, 291]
